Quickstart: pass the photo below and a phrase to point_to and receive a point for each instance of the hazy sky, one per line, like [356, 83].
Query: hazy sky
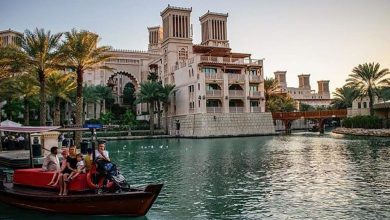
[324, 38]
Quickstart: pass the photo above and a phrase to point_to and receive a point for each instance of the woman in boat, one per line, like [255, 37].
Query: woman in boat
[56, 176]
[71, 165]
[51, 162]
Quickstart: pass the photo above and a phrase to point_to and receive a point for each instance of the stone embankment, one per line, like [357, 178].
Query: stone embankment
[363, 132]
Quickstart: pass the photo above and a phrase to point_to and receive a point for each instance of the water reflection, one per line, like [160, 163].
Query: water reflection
[296, 177]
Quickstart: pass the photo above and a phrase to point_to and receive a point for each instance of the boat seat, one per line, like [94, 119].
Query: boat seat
[35, 177]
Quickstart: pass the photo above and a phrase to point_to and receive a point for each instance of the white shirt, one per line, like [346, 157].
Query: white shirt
[105, 153]
[51, 163]
[81, 166]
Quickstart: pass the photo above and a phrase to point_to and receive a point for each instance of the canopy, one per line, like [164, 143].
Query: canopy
[10, 123]
[28, 129]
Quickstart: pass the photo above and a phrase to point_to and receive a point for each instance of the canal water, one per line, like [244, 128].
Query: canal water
[302, 176]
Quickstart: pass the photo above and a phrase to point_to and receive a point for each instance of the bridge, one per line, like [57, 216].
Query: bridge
[320, 116]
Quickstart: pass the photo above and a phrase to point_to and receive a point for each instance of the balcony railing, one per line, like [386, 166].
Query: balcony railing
[221, 59]
[214, 109]
[255, 94]
[253, 62]
[214, 93]
[255, 109]
[236, 109]
[214, 76]
[254, 78]
[236, 77]
[236, 93]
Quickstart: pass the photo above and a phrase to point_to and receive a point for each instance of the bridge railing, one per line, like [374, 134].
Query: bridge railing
[311, 114]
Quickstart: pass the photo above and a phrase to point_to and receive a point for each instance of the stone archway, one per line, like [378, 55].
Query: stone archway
[118, 88]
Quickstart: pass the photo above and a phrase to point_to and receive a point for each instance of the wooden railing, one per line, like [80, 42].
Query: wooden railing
[312, 114]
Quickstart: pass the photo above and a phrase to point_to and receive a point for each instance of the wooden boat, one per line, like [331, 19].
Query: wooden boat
[135, 202]
[29, 190]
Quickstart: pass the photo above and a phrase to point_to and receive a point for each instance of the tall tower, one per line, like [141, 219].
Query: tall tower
[323, 88]
[9, 37]
[214, 31]
[155, 39]
[280, 77]
[304, 81]
[177, 40]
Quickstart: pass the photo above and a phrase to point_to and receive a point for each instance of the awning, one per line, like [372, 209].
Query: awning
[28, 129]
[10, 123]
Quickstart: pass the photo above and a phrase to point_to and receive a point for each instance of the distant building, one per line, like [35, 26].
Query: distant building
[304, 94]
[9, 37]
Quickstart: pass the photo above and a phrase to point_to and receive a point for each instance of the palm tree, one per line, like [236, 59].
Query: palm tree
[41, 47]
[60, 86]
[25, 87]
[90, 96]
[367, 79]
[271, 85]
[12, 60]
[149, 93]
[104, 93]
[344, 96]
[80, 53]
[165, 93]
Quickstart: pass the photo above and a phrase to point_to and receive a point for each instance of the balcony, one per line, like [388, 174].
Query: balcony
[236, 77]
[236, 109]
[255, 94]
[236, 93]
[255, 109]
[214, 93]
[214, 59]
[255, 78]
[214, 109]
[213, 76]
[253, 62]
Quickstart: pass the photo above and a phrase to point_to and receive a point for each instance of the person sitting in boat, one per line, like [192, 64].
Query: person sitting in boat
[71, 165]
[80, 168]
[56, 176]
[51, 161]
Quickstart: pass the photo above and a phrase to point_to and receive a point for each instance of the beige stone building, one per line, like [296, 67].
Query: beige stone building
[218, 91]
[304, 93]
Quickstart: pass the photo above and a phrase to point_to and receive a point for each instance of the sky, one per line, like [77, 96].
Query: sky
[325, 39]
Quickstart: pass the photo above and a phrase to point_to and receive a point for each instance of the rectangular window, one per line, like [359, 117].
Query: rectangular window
[209, 70]
[359, 105]
[364, 104]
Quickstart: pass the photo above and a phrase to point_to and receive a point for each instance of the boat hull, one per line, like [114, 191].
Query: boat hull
[134, 203]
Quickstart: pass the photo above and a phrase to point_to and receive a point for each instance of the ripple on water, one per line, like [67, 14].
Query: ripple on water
[300, 176]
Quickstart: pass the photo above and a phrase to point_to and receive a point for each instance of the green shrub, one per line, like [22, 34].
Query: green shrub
[366, 121]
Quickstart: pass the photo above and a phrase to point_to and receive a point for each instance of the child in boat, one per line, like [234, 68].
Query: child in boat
[55, 179]
[80, 167]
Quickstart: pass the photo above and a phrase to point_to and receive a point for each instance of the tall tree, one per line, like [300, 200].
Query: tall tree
[41, 47]
[270, 87]
[165, 92]
[104, 93]
[149, 93]
[344, 96]
[367, 78]
[90, 96]
[25, 87]
[80, 53]
[60, 86]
